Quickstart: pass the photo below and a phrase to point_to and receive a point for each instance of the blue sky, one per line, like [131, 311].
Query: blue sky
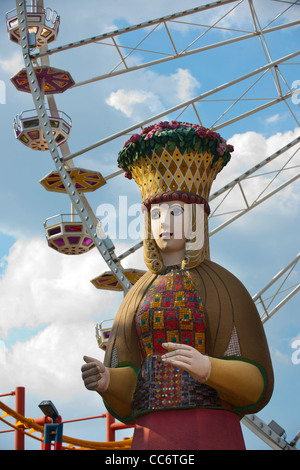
[48, 307]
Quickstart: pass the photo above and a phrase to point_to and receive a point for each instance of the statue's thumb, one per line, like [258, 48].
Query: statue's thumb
[88, 359]
[99, 364]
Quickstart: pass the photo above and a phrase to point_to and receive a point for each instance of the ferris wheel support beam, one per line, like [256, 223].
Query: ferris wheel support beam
[281, 304]
[282, 98]
[182, 54]
[244, 177]
[255, 168]
[188, 103]
[254, 204]
[128, 29]
[127, 68]
[264, 45]
[266, 433]
[258, 298]
[74, 195]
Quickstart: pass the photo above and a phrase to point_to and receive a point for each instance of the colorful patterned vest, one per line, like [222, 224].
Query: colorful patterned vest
[171, 311]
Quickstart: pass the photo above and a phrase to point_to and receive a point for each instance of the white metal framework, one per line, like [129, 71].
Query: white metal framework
[126, 44]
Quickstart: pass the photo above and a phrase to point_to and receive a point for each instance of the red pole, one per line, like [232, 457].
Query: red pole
[20, 408]
[58, 446]
[117, 426]
[42, 421]
[110, 433]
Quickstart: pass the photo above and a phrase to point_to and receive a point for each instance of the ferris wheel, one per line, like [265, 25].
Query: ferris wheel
[146, 45]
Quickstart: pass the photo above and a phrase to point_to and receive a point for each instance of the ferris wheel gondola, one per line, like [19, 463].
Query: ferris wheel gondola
[43, 25]
[28, 129]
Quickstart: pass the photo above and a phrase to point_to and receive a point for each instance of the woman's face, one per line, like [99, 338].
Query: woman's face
[167, 227]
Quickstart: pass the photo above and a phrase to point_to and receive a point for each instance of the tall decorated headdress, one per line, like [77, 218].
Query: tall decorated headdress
[174, 161]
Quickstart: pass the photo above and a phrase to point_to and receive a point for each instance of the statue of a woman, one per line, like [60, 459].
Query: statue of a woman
[187, 355]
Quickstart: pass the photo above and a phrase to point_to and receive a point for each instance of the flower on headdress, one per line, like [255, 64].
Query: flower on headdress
[211, 135]
[161, 125]
[201, 131]
[221, 149]
[147, 129]
[134, 139]
[173, 125]
[150, 134]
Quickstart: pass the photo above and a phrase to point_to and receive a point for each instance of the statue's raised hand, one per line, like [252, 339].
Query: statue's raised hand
[95, 375]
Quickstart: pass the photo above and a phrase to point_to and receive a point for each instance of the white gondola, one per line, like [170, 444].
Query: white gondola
[102, 334]
[28, 129]
[66, 235]
[43, 23]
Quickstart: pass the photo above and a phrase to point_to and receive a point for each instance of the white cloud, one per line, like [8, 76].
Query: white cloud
[250, 149]
[154, 94]
[50, 361]
[41, 286]
[127, 101]
[273, 119]
[51, 292]
[13, 64]
[186, 83]
[174, 88]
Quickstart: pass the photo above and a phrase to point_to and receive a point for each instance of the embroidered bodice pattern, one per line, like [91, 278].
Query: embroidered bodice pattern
[171, 311]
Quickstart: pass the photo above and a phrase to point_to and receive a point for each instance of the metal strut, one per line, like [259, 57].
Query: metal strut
[76, 199]
[266, 433]
[266, 303]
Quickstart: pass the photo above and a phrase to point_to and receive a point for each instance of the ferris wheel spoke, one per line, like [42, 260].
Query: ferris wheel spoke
[266, 303]
[133, 28]
[191, 102]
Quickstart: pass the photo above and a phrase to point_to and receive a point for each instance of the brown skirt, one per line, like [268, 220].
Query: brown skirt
[191, 429]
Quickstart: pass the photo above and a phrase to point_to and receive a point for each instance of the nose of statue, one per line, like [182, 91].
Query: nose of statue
[164, 223]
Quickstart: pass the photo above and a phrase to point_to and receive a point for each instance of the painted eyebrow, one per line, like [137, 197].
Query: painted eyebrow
[173, 206]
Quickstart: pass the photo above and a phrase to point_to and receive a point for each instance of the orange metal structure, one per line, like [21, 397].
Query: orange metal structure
[22, 425]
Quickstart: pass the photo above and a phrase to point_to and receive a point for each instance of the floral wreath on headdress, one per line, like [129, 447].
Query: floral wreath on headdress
[185, 136]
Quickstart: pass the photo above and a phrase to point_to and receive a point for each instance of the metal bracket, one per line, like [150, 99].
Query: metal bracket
[266, 433]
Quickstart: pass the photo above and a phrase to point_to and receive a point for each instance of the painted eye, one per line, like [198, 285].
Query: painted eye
[177, 211]
[155, 214]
